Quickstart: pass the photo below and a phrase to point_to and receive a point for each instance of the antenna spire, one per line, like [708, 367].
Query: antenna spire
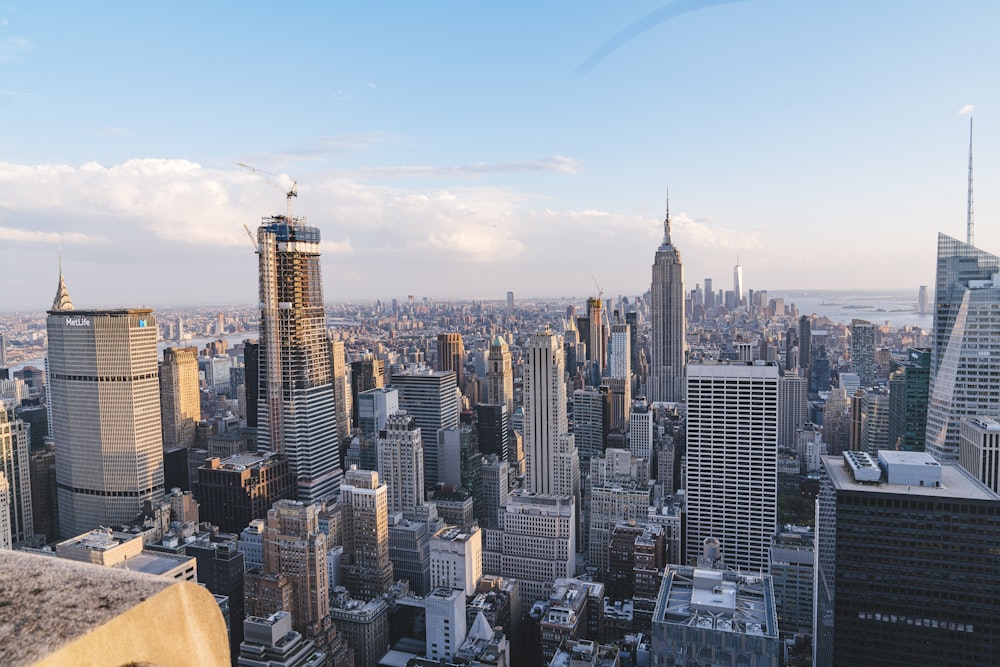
[666, 222]
[970, 230]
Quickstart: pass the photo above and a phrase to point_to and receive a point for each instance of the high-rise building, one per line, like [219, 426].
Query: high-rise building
[610, 504]
[732, 462]
[591, 420]
[431, 398]
[180, 396]
[15, 464]
[535, 542]
[236, 490]
[793, 408]
[104, 410]
[341, 394]
[553, 465]
[965, 358]
[457, 558]
[374, 408]
[6, 535]
[979, 450]
[906, 556]
[493, 429]
[909, 386]
[738, 283]
[496, 488]
[597, 336]
[792, 555]
[709, 617]
[251, 365]
[451, 355]
[666, 369]
[366, 374]
[297, 409]
[922, 300]
[366, 568]
[500, 375]
[863, 351]
[401, 463]
[270, 641]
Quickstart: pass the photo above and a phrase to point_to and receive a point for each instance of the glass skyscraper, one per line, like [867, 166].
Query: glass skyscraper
[965, 359]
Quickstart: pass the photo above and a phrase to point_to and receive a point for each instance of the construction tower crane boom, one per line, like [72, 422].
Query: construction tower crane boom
[273, 180]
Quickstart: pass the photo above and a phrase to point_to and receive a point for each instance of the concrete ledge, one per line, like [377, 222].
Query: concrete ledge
[60, 612]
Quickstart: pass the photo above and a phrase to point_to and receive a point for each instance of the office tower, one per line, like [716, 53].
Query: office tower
[907, 563]
[410, 548]
[922, 300]
[251, 365]
[965, 358]
[374, 407]
[341, 395]
[270, 641]
[632, 320]
[461, 464]
[620, 391]
[819, 369]
[496, 488]
[805, 344]
[510, 304]
[535, 542]
[596, 336]
[836, 421]
[979, 450]
[732, 447]
[552, 462]
[6, 535]
[295, 576]
[793, 408]
[457, 558]
[297, 409]
[573, 349]
[234, 491]
[591, 420]
[180, 396]
[220, 568]
[446, 626]
[792, 573]
[863, 351]
[493, 429]
[366, 374]
[738, 283]
[710, 617]
[104, 406]
[3, 349]
[15, 465]
[709, 295]
[610, 504]
[364, 625]
[874, 413]
[636, 558]
[216, 371]
[401, 463]
[666, 344]
[500, 375]
[640, 430]
[431, 398]
[44, 511]
[451, 355]
[366, 568]
[909, 386]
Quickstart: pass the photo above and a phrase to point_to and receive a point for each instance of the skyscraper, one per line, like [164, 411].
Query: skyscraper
[431, 398]
[738, 283]
[104, 409]
[553, 466]
[341, 396]
[863, 351]
[401, 463]
[297, 409]
[666, 373]
[965, 359]
[908, 388]
[180, 396]
[805, 344]
[451, 354]
[15, 466]
[500, 375]
[366, 567]
[732, 460]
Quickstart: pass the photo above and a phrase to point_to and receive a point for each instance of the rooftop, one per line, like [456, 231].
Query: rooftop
[717, 600]
[955, 483]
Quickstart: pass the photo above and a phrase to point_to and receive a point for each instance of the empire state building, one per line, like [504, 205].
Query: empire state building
[666, 375]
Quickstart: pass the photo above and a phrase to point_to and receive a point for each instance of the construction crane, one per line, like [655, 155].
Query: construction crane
[256, 248]
[600, 298]
[273, 180]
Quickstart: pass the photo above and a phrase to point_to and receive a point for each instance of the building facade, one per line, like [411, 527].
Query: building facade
[666, 372]
[180, 396]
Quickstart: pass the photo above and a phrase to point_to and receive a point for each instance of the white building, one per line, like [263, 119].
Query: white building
[732, 447]
[446, 624]
[457, 558]
[500, 375]
[401, 462]
[251, 545]
[640, 430]
[552, 462]
[979, 450]
[535, 542]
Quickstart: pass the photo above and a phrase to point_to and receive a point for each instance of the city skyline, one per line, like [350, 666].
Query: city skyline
[450, 149]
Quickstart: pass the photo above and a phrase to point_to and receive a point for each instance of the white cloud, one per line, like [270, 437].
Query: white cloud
[554, 164]
[29, 236]
[966, 110]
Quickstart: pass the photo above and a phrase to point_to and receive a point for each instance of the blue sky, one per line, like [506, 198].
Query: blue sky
[455, 149]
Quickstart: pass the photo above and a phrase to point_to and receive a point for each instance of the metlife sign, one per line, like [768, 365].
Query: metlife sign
[78, 321]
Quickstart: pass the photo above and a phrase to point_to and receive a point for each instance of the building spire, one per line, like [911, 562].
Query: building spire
[62, 300]
[970, 232]
[666, 222]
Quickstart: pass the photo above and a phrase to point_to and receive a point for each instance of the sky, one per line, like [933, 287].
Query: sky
[461, 150]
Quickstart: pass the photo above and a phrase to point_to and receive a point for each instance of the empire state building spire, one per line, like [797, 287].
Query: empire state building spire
[666, 373]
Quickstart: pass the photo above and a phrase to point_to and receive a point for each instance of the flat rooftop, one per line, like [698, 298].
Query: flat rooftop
[157, 564]
[955, 483]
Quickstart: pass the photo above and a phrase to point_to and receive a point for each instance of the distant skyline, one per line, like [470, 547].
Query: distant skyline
[451, 150]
